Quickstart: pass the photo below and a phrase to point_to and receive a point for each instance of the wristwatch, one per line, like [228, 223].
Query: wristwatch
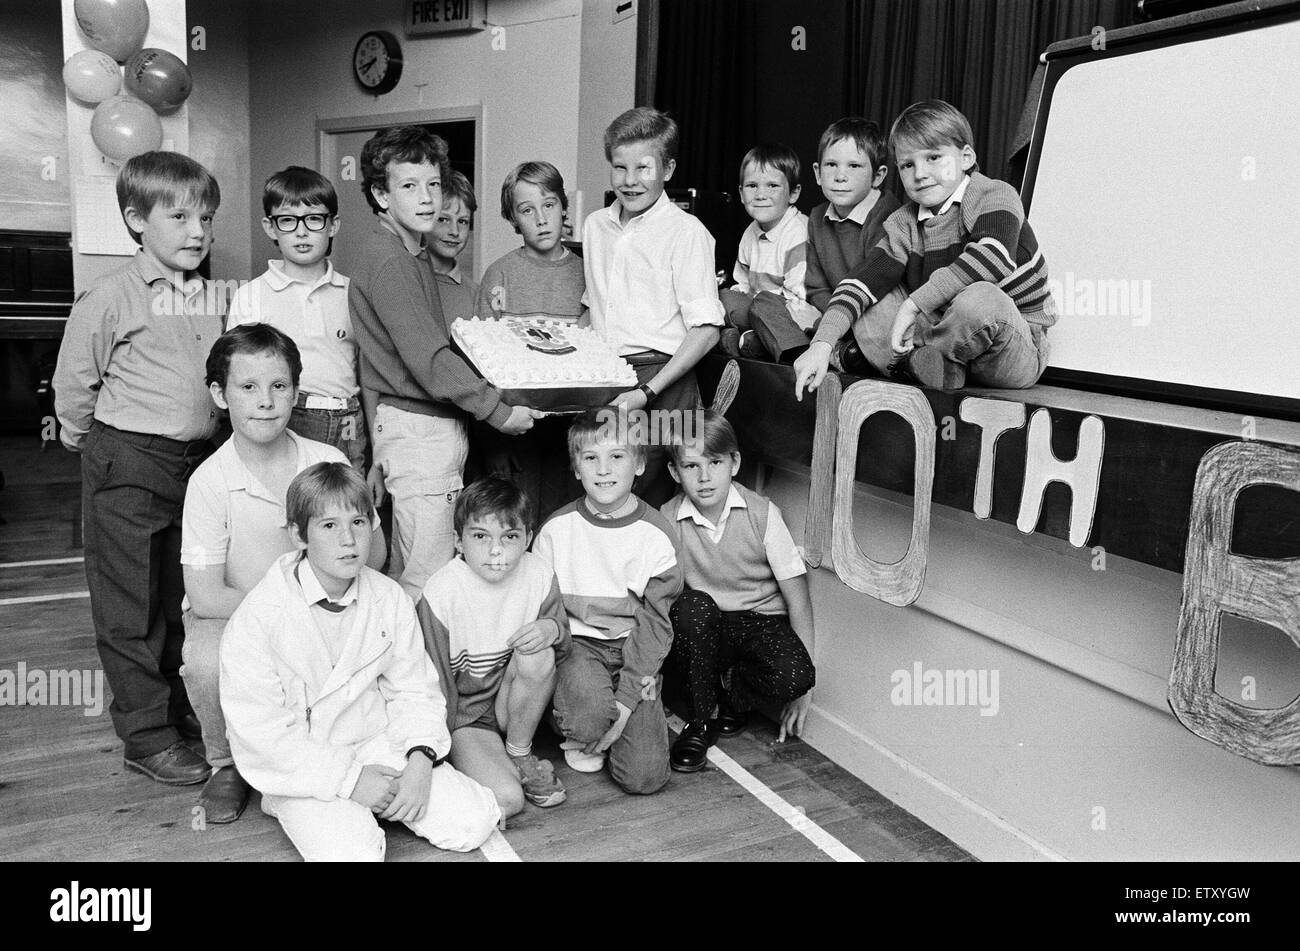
[428, 751]
[650, 394]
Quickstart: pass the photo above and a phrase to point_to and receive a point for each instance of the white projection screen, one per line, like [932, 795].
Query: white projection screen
[1167, 202]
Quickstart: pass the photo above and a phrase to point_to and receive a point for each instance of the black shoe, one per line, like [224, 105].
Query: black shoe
[224, 797]
[188, 727]
[730, 722]
[752, 347]
[729, 341]
[927, 367]
[691, 749]
[852, 360]
[177, 765]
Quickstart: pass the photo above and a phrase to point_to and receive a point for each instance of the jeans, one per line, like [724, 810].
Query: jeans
[982, 336]
[585, 710]
[422, 459]
[344, 429]
[133, 491]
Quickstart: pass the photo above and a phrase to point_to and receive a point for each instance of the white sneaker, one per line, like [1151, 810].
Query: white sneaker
[580, 761]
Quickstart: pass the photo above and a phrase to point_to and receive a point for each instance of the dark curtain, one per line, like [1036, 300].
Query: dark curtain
[706, 79]
[980, 55]
[726, 70]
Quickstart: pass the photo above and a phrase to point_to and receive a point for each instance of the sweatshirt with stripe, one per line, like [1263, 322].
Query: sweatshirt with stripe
[619, 578]
[982, 237]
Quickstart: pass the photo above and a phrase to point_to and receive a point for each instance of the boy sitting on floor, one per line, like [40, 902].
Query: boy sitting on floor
[494, 624]
[331, 703]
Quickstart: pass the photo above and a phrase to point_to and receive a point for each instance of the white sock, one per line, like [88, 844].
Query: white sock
[518, 751]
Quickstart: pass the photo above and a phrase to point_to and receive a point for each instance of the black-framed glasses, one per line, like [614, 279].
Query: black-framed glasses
[288, 224]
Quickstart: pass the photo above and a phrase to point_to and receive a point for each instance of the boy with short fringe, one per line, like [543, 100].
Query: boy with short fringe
[768, 314]
[425, 391]
[744, 623]
[495, 626]
[957, 290]
[130, 396]
[543, 277]
[651, 284]
[304, 296]
[332, 707]
[618, 573]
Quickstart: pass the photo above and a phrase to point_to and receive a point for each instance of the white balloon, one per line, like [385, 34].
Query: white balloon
[92, 76]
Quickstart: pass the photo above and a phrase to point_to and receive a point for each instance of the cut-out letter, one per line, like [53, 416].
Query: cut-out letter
[1081, 474]
[993, 417]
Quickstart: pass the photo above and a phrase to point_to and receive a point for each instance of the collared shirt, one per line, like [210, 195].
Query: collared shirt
[860, 211]
[954, 199]
[133, 355]
[231, 519]
[782, 555]
[458, 296]
[775, 260]
[315, 316]
[333, 625]
[651, 280]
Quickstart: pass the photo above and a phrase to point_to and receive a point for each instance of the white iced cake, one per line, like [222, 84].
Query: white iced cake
[529, 353]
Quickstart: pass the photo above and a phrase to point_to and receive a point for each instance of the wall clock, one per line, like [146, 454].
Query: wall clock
[377, 61]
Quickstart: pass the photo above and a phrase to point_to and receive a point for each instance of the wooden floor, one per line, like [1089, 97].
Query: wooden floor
[64, 794]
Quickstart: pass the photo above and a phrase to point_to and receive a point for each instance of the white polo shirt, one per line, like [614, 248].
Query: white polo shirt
[231, 519]
[651, 280]
[315, 316]
[782, 555]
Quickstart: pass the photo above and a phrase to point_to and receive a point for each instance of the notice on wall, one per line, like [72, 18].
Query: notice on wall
[100, 228]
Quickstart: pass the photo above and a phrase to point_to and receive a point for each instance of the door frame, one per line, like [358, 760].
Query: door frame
[326, 157]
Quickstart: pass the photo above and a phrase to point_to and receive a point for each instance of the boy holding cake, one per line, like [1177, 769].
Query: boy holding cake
[650, 277]
[426, 392]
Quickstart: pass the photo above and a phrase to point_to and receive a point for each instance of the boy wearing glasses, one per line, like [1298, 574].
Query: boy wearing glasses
[302, 295]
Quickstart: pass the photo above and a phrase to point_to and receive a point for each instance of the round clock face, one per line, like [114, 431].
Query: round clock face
[377, 62]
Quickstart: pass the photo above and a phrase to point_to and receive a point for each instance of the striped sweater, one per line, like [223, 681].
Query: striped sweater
[984, 237]
[467, 621]
[619, 578]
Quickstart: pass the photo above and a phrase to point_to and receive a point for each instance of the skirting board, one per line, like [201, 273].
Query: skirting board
[976, 829]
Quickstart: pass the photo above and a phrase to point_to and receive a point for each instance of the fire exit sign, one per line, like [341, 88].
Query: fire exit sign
[425, 17]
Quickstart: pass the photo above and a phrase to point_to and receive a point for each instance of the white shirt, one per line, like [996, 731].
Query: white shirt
[859, 213]
[651, 280]
[231, 519]
[782, 555]
[954, 199]
[315, 316]
[334, 626]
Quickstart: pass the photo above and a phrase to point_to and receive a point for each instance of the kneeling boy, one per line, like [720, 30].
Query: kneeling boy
[332, 707]
[494, 623]
[617, 567]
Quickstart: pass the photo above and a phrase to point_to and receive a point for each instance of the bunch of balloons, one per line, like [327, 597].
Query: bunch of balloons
[125, 123]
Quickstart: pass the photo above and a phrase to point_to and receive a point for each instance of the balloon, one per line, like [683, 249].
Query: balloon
[159, 78]
[92, 76]
[117, 27]
[124, 126]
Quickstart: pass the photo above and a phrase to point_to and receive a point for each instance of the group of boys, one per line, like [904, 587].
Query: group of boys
[342, 695]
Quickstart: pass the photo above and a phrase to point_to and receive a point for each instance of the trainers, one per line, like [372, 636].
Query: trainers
[580, 761]
[537, 776]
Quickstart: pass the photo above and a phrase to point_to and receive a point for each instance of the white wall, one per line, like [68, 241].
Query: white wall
[1083, 759]
[608, 88]
[300, 55]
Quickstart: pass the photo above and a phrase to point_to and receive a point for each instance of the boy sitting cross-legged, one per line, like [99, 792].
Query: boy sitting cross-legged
[957, 289]
[618, 573]
[494, 624]
[234, 527]
[332, 705]
[742, 623]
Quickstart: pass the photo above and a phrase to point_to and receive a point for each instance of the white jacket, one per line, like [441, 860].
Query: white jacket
[295, 720]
